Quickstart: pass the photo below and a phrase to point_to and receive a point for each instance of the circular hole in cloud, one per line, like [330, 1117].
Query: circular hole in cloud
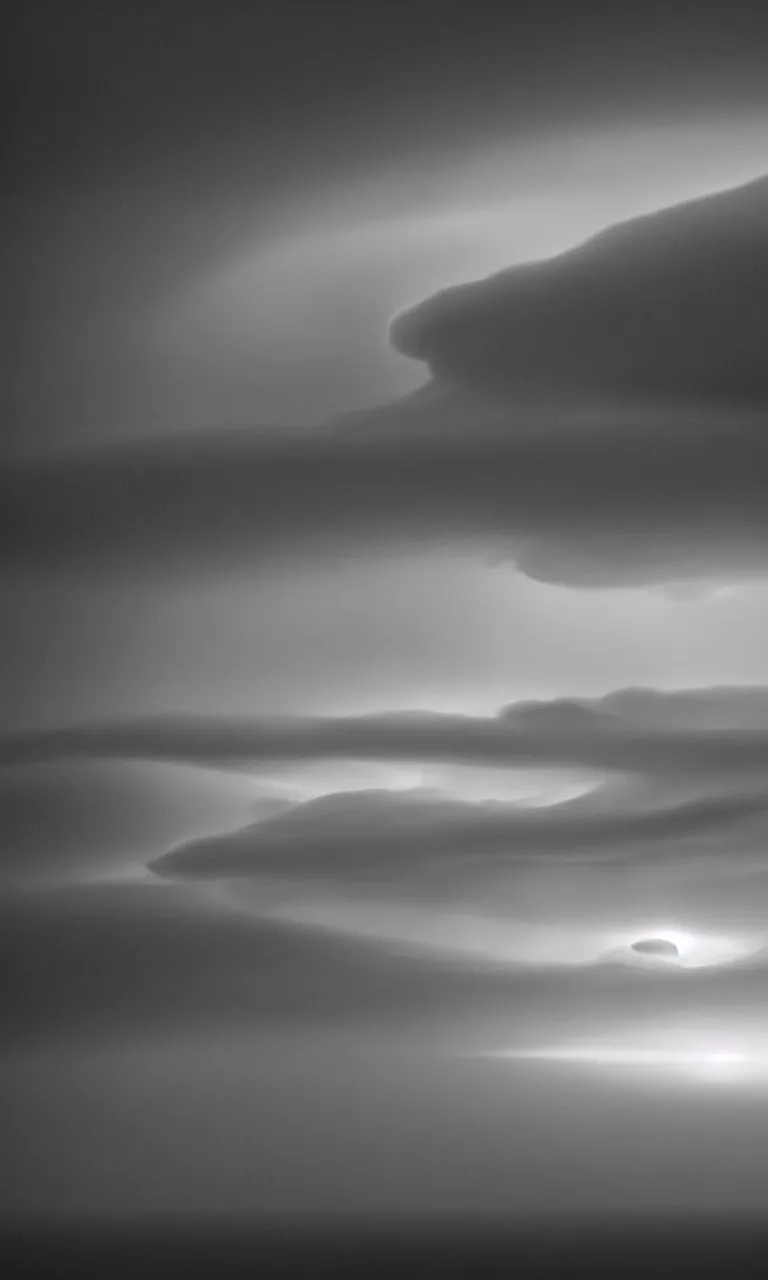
[657, 947]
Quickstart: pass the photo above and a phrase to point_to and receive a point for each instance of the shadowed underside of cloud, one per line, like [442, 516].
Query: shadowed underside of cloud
[100, 963]
[597, 505]
[683, 777]
[341, 911]
[676, 775]
[629, 444]
[384, 834]
[674, 304]
[687, 734]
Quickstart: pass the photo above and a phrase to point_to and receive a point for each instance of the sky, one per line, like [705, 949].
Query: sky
[384, 549]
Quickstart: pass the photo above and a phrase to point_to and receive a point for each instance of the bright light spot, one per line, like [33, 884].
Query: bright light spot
[685, 942]
[707, 1065]
[471, 784]
[695, 950]
[727, 1065]
[724, 1058]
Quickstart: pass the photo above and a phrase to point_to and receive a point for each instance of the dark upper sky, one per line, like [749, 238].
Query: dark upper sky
[104, 91]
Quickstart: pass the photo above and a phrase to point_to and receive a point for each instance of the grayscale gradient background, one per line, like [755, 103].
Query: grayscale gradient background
[384, 584]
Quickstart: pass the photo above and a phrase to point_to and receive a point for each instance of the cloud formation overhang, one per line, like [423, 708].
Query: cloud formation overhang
[629, 446]
[393, 834]
[672, 304]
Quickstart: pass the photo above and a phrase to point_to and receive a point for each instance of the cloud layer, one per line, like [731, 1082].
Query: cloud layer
[596, 504]
[387, 907]
[689, 733]
[650, 466]
[674, 775]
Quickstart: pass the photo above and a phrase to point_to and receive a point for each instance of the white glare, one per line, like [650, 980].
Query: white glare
[695, 950]
[707, 1065]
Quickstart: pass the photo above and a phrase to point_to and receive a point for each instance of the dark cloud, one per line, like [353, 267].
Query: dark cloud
[674, 776]
[692, 788]
[390, 834]
[85, 962]
[672, 305]
[635, 730]
[623, 492]
[596, 502]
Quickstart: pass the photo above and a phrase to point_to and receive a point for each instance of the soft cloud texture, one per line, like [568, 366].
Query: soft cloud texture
[379, 833]
[260, 924]
[670, 305]
[639, 484]
[660, 784]
[630, 730]
[591, 504]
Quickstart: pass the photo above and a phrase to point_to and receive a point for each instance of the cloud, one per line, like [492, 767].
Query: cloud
[638, 454]
[668, 798]
[389, 834]
[384, 907]
[671, 304]
[687, 733]
[583, 505]
[672, 777]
